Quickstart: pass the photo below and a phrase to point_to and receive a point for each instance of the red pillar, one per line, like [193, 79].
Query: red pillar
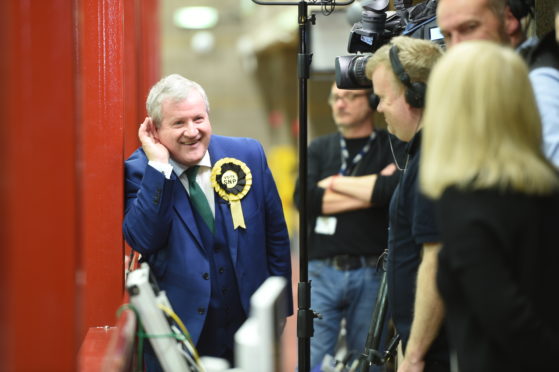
[40, 209]
[119, 61]
[71, 96]
[142, 61]
[100, 157]
[133, 108]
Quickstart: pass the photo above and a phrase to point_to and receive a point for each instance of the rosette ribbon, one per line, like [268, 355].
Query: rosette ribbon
[231, 179]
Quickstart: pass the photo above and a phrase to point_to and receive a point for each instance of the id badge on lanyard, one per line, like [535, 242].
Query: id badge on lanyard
[357, 158]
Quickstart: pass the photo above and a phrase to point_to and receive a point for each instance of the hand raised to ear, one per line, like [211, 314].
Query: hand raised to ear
[155, 150]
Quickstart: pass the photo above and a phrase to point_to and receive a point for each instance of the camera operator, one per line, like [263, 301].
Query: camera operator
[348, 220]
[500, 21]
[399, 71]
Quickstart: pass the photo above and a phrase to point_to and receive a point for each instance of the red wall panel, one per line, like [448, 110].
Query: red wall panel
[142, 58]
[39, 211]
[71, 97]
[149, 48]
[101, 105]
[133, 107]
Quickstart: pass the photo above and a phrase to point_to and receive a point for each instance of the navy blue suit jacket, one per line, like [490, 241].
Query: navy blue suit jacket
[159, 224]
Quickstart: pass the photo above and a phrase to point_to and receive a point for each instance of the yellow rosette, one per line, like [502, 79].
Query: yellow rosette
[231, 179]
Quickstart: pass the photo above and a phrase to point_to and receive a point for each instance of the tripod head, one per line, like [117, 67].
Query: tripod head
[308, 2]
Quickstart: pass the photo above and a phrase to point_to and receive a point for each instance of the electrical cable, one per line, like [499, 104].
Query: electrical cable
[181, 335]
[140, 331]
[395, 159]
[190, 345]
[177, 320]
[328, 7]
[198, 367]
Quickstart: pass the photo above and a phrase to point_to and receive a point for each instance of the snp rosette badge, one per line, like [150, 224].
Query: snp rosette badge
[231, 179]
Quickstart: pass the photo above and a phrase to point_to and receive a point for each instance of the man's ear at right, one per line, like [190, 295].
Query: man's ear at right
[512, 24]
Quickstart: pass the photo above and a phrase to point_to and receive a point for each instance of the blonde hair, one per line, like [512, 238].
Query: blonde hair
[481, 124]
[417, 57]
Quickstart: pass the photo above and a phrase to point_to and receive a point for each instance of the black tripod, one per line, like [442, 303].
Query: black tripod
[305, 315]
[372, 354]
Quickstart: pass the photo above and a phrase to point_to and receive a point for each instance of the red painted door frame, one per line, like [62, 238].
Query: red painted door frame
[70, 109]
[101, 105]
[40, 185]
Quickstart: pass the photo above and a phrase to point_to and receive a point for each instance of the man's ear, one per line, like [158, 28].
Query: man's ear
[155, 129]
[512, 25]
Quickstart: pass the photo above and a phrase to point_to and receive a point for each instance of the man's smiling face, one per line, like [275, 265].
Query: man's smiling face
[185, 129]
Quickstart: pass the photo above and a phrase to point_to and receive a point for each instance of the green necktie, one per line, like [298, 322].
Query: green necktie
[198, 198]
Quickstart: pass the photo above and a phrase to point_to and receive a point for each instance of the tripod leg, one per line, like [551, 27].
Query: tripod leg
[371, 355]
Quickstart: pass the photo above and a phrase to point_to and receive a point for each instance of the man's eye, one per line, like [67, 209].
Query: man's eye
[469, 27]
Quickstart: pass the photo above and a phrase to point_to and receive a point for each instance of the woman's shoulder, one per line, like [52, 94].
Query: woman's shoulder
[491, 203]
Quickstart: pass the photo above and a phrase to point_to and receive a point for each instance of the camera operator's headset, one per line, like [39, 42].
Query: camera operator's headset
[374, 100]
[521, 8]
[415, 91]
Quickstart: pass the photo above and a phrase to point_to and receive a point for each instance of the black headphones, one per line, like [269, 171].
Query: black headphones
[373, 99]
[521, 8]
[415, 92]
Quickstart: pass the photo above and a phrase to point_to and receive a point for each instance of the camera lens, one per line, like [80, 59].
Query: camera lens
[350, 72]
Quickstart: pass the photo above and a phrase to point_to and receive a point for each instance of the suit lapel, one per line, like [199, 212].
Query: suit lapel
[216, 153]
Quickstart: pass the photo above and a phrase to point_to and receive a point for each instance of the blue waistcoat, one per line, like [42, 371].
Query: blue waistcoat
[225, 313]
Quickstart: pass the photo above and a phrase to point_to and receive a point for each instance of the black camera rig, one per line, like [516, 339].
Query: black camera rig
[376, 28]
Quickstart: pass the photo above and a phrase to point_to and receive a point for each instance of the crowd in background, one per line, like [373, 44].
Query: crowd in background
[469, 195]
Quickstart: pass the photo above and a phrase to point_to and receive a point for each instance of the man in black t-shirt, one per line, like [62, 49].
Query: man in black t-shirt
[350, 181]
[399, 72]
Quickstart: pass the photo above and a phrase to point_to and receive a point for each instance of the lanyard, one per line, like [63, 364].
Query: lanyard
[345, 153]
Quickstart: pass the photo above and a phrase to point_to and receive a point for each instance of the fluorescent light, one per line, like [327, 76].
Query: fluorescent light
[202, 42]
[196, 17]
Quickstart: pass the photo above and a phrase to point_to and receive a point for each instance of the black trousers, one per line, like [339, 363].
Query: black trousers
[436, 366]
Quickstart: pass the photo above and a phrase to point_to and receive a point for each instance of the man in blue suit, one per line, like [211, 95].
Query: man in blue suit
[205, 213]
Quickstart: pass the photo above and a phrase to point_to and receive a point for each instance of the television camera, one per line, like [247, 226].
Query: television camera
[376, 28]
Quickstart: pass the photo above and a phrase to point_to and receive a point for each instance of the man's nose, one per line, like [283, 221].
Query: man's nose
[455, 38]
[340, 102]
[190, 130]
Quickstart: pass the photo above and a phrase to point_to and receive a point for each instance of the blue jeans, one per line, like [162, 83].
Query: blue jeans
[338, 294]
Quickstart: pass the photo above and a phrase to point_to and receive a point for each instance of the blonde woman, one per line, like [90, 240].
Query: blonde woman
[498, 211]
